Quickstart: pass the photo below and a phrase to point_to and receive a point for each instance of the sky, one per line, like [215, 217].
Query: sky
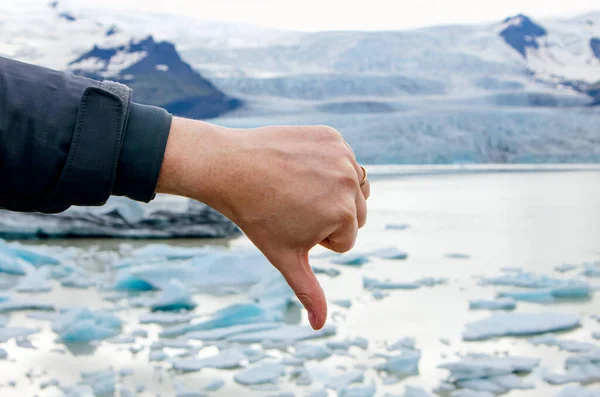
[313, 15]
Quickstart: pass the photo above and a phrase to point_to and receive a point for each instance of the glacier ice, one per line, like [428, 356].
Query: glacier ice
[535, 295]
[236, 314]
[592, 269]
[76, 280]
[374, 284]
[84, 325]
[265, 373]
[165, 318]
[157, 355]
[403, 343]
[174, 297]
[413, 391]
[227, 359]
[10, 265]
[493, 304]
[345, 303]
[582, 368]
[312, 352]
[226, 332]
[557, 288]
[578, 391]
[16, 332]
[12, 305]
[351, 259]
[288, 333]
[520, 324]
[345, 344]
[358, 391]
[215, 385]
[34, 282]
[397, 226]
[572, 346]
[406, 363]
[565, 267]
[389, 253]
[103, 383]
[341, 382]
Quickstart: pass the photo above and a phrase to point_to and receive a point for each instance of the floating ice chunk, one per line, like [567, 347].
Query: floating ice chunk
[578, 391]
[236, 314]
[157, 355]
[404, 343]
[223, 333]
[584, 368]
[534, 295]
[3, 354]
[3, 321]
[79, 391]
[273, 293]
[25, 343]
[240, 268]
[34, 282]
[266, 373]
[359, 391]
[49, 382]
[174, 297]
[227, 359]
[595, 335]
[352, 259]
[83, 325]
[289, 333]
[331, 272]
[406, 363]
[493, 304]
[135, 349]
[471, 393]
[431, 281]
[572, 346]
[457, 255]
[520, 324]
[302, 376]
[374, 284]
[312, 352]
[126, 372]
[397, 226]
[412, 391]
[102, 383]
[361, 342]
[125, 392]
[343, 381]
[345, 303]
[558, 288]
[27, 255]
[592, 269]
[10, 265]
[122, 340]
[76, 280]
[171, 252]
[13, 305]
[389, 253]
[379, 294]
[564, 268]
[16, 332]
[140, 333]
[480, 367]
[165, 318]
[182, 392]
[171, 343]
[215, 385]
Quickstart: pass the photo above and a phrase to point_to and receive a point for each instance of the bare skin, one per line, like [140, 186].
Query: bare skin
[287, 188]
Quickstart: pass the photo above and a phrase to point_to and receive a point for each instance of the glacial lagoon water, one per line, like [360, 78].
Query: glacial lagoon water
[460, 226]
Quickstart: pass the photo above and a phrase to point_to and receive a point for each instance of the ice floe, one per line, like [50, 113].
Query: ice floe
[351, 259]
[265, 373]
[288, 333]
[12, 305]
[174, 297]
[16, 332]
[493, 304]
[520, 324]
[227, 359]
[582, 368]
[389, 253]
[83, 325]
[413, 391]
[226, 332]
[579, 391]
[572, 346]
[358, 391]
[403, 364]
[215, 385]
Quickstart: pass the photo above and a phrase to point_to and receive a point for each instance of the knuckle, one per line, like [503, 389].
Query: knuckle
[330, 133]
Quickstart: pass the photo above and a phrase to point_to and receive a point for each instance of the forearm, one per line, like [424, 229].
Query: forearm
[68, 140]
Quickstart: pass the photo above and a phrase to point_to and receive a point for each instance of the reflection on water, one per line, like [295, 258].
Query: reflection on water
[535, 221]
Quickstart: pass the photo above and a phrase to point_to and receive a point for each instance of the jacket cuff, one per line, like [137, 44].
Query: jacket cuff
[142, 152]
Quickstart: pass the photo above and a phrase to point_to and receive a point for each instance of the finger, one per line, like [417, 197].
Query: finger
[297, 272]
[342, 240]
[361, 210]
[366, 187]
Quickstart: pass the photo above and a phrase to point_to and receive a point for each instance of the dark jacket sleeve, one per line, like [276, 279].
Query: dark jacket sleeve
[68, 140]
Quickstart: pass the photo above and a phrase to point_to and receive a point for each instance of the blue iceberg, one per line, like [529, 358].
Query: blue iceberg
[174, 297]
[84, 325]
[10, 265]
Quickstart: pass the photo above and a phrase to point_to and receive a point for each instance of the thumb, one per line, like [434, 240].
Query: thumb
[296, 270]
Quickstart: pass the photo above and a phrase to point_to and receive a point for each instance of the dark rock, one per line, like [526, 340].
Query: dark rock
[521, 33]
[122, 218]
[161, 78]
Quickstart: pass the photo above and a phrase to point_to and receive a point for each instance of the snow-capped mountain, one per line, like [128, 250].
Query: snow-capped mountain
[48, 35]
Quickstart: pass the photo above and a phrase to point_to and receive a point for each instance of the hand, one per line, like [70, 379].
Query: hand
[287, 188]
